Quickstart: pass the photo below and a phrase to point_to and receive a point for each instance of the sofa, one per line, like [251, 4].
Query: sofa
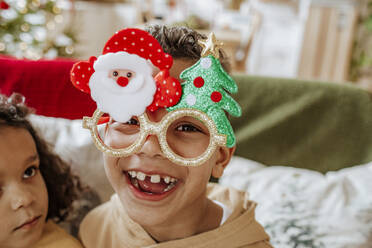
[304, 149]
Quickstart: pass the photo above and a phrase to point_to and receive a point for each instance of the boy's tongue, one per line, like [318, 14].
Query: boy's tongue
[155, 188]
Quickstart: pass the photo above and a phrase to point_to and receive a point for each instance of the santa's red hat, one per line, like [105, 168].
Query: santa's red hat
[126, 49]
[141, 43]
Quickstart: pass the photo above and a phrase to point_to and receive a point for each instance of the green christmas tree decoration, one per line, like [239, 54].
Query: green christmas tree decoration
[207, 88]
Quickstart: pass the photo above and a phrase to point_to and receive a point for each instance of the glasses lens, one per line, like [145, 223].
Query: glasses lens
[188, 137]
[120, 135]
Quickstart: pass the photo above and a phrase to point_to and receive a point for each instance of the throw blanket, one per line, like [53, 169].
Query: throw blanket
[303, 208]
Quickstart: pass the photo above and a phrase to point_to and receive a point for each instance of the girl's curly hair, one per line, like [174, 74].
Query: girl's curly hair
[63, 187]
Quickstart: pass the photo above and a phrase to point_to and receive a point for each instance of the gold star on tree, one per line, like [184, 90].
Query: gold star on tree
[211, 46]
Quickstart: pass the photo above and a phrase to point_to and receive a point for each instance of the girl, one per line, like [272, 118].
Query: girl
[36, 186]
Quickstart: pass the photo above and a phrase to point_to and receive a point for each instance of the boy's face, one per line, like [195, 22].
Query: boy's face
[152, 189]
[23, 194]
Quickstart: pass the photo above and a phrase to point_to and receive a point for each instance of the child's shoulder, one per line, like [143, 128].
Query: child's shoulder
[102, 212]
[98, 221]
[54, 236]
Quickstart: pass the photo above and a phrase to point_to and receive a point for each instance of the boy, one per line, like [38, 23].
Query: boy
[159, 203]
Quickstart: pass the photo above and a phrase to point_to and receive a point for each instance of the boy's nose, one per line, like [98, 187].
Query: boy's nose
[20, 197]
[151, 147]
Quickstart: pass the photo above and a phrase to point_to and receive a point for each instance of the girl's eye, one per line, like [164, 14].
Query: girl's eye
[132, 121]
[30, 172]
[129, 74]
[187, 128]
[115, 73]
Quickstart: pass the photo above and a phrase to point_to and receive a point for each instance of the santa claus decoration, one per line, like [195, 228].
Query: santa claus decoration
[121, 80]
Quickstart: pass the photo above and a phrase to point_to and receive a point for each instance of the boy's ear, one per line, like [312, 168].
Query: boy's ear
[224, 156]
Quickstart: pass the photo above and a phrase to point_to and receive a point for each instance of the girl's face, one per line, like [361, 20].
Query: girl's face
[23, 194]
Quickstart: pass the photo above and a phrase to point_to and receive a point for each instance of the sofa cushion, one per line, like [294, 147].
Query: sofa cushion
[306, 124]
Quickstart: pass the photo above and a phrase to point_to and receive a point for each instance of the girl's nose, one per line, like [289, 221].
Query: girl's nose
[20, 197]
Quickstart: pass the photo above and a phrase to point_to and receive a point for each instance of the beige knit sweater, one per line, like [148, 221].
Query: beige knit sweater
[109, 226]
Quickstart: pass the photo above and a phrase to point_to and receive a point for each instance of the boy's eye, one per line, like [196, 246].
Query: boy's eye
[129, 74]
[187, 128]
[132, 121]
[115, 73]
[30, 172]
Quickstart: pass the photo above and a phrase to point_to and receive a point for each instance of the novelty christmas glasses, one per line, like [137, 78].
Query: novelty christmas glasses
[195, 123]
[186, 136]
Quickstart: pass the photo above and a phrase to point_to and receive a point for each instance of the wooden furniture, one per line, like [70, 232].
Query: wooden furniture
[328, 40]
[236, 44]
[231, 44]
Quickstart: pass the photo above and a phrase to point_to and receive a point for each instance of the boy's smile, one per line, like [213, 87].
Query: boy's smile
[148, 186]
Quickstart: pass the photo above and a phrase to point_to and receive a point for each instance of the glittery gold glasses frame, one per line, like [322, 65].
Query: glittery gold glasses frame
[159, 129]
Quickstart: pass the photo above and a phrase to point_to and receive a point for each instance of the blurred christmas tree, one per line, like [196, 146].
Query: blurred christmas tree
[361, 64]
[30, 29]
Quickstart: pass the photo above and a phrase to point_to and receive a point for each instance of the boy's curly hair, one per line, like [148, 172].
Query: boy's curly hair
[182, 43]
[63, 187]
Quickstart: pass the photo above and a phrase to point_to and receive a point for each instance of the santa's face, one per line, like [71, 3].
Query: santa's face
[122, 93]
[155, 192]
[122, 85]
[122, 76]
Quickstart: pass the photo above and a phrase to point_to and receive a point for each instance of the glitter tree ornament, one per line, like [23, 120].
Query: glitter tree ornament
[207, 87]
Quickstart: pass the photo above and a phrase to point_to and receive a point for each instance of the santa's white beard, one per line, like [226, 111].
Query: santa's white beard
[121, 103]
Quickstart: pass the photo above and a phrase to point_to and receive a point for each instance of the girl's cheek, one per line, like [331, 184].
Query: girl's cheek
[41, 193]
